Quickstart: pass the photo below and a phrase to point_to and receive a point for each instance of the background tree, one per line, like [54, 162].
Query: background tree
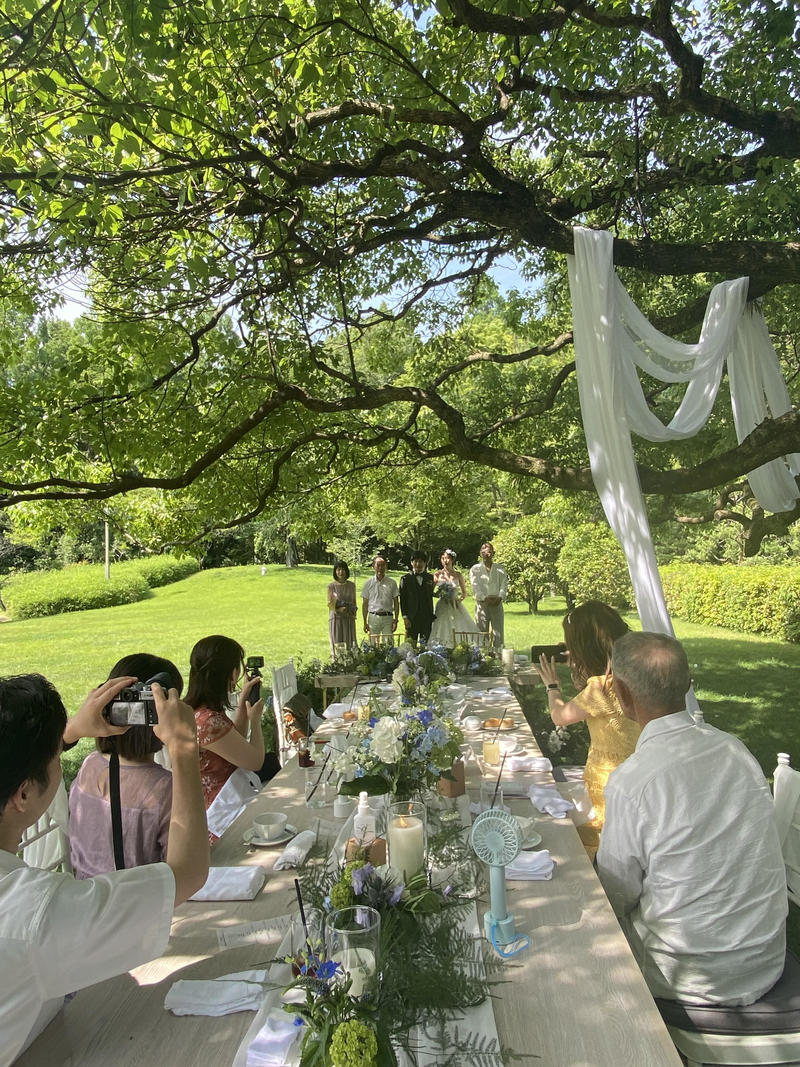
[529, 552]
[248, 193]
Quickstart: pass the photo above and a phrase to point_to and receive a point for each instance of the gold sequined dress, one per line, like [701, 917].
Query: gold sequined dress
[613, 739]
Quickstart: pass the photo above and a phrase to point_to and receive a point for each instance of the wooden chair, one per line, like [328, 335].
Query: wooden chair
[478, 638]
[381, 640]
[769, 1030]
[786, 788]
[46, 844]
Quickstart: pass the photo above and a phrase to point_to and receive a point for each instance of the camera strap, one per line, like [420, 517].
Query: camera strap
[116, 811]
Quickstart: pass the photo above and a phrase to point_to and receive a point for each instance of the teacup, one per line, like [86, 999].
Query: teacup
[269, 827]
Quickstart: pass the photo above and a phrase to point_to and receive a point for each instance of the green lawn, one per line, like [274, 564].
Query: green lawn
[742, 681]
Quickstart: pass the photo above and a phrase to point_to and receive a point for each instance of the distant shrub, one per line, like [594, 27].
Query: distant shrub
[160, 570]
[758, 600]
[528, 551]
[76, 588]
[592, 566]
[84, 586]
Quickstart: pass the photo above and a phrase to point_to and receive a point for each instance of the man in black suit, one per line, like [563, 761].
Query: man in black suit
[416, 599]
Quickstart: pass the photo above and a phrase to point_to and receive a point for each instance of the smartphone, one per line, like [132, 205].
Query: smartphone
[556, 652]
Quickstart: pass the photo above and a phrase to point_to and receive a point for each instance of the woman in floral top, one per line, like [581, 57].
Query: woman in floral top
[216, 664]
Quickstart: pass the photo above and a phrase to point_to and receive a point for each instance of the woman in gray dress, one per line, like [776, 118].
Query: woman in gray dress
[342, 608]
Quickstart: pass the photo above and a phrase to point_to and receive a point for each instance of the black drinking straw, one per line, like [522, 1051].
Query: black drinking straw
[319, 777]
[497, 783]
[302, 909]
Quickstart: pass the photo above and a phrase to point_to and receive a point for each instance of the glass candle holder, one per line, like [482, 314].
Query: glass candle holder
[406, 836]
[354, 937]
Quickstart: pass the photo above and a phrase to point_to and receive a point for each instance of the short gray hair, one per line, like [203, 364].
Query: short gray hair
[654, 668]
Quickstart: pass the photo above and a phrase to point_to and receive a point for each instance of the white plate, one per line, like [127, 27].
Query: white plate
[250, 838]
[531, 840]
[507, 749]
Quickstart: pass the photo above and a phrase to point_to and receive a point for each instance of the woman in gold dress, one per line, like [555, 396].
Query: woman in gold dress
[589, 632]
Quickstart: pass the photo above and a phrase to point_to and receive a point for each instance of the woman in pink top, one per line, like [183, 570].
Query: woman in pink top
[215, 666]
[145, 789]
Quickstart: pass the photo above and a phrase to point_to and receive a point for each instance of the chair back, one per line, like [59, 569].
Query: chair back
[46, 844]
[786, 787]
[478, 638]
[381, 640]
[284, 687]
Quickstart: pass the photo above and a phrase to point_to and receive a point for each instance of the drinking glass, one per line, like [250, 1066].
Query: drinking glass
[488, 786]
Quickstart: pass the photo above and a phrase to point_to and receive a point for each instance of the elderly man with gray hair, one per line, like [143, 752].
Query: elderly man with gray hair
[689, 856]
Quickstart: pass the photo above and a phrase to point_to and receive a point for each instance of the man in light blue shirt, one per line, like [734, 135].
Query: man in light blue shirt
[689, 855]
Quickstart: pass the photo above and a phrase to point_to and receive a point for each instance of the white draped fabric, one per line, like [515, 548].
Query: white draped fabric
[612, 339]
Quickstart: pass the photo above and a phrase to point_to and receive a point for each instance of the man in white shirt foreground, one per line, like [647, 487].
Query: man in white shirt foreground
[490, 588]
[59, 934]
[689, 855]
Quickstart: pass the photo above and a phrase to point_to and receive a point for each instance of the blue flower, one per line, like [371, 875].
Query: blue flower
[395, 894]
[327, 970]
[359, 772]
[360, 876]
[373, 719]
[298, 1021]
[425, 716]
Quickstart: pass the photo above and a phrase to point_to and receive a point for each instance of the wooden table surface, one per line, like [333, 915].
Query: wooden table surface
[575, 998]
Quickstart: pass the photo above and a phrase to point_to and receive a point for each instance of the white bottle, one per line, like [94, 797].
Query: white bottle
[364, 822]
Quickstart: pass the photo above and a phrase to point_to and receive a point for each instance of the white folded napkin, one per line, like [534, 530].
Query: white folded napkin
[548, 799]
[270, 1047]
[528, 763]
[296, 851]
[229, 803]
[471, 722]
[231, 883]
[336, 711]
[530, 866]
[241, 991]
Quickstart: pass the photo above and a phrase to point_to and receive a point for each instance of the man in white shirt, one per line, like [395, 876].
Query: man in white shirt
[380, 601]
[59, 934]
[689, 855]
[490, 588]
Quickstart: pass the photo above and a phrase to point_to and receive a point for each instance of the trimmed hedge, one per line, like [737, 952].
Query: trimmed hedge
[758, 599]
[81, 587]
[77, 588]
[160, 570]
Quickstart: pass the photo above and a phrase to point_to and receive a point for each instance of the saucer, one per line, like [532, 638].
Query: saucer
[250, 838]
[531, 840]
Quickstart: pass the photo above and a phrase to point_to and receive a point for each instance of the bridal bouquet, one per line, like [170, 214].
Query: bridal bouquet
[446, 590]
[402, 751]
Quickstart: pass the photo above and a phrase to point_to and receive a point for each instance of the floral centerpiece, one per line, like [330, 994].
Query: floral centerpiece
[401, 751]
[469, 659]
[427, 973]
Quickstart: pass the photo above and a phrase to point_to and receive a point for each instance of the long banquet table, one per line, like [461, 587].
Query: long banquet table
[575, 998]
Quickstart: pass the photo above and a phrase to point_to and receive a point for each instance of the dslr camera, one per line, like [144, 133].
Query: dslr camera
[135, 705]
[253, 665]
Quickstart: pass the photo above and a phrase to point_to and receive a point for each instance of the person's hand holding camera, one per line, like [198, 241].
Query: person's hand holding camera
[176, 725]
[248, 684]
[89, 720]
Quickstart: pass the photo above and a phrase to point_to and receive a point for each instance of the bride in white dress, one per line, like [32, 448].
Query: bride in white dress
[450, 590]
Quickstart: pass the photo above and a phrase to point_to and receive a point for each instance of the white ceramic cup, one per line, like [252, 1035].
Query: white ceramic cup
[269, 827]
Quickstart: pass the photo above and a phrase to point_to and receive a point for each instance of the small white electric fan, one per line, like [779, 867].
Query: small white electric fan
[497, 839]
